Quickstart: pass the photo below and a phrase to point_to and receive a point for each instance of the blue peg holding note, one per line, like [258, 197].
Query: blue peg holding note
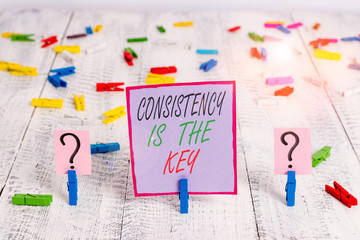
[72, 187]
[290, 188]
[184, 196]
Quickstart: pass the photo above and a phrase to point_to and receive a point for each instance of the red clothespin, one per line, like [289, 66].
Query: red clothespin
[128, 58]
[48, 41]
[234, 29]
[341, 194]
[163, 70]
[109, 87]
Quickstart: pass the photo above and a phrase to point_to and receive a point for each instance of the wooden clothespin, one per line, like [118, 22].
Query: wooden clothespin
[184, 196]
[79, 102]
[341, 194]
[109, 87]
[114, 114]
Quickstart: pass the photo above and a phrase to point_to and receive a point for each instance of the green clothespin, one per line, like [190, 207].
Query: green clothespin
[256, 37]
[32, 199]
[161, 29]
[144, 39]
[320, 155]
[132, 52]
[22, 37]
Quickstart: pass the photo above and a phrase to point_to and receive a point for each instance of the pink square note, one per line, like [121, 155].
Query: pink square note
[292, 150]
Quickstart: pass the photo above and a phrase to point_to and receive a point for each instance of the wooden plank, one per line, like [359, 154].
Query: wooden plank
[229, 217]
[339, 77]
[101, 195]
[316, 214]
[17, 91]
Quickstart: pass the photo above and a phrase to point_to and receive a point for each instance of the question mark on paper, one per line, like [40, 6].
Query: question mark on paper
[77, 146]
[293, 147]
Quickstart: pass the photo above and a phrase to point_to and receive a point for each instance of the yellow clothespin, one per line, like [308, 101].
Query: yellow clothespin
[327, 55]
[71, 49]
[183, 24]
[114, 114]
[8, 35]
[79, 102]
[4, 66]
[17, 69]
[44, 102]
[275, 22]
[28, 71]
[13, 66]
[158, 79]
[98, 28]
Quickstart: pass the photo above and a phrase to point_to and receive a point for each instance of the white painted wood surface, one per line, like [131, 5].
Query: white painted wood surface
[107, 207]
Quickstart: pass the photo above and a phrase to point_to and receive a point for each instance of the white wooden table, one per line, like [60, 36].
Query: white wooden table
[107, 207]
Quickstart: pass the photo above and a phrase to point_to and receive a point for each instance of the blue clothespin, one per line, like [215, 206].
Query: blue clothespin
[57, 81]
[350, 39]
[89, 30]
[290, 188]
[208, 65]
[103, 148]
[207, 51]
[64, 71]
[184, 196]
[283, 29]
[72, 187]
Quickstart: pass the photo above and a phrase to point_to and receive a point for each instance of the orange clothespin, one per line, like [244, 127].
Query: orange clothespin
[255, 53]
[316, 26]
[320, 42]
[286, 91]
[341, 194]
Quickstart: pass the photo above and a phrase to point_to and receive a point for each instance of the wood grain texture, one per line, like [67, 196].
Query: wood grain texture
[339, 77]
[229, 217]
[107, 208]
[17, 91]
[315, 215]
[101, 195]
